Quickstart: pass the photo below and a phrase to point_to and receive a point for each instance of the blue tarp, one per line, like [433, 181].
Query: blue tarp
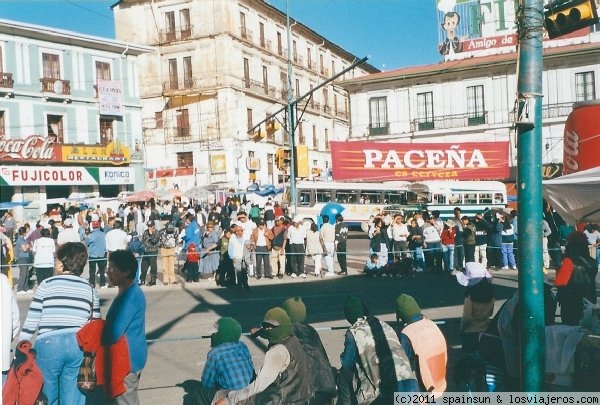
[9, 205]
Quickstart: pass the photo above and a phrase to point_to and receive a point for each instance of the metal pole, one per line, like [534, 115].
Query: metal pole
[529, 162]
[291, 118]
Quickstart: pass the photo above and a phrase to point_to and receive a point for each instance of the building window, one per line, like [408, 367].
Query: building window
[173, 79]
[297, 87]
[188, 81]
[158, 117]
[378, 120]
[312, 96]
[244, 31]
[55, 127]
[184, 19]
[332, 68]
[295, 50]
[246, 73]
[249, 119]
[185, 159]
[425, 110]
[309, 61]
[322, 64]
[326, 101]
[335, 104]
[326, 139]
[170, 25]
[106, 131]
[102, 71]
[475, 105]
[261, 30]
[51, 66]
[270, 164]
[315, 139]
[183, 123]
[585, 86]
[266, 79]
[301, 133]
[279, 44]
[2, 124]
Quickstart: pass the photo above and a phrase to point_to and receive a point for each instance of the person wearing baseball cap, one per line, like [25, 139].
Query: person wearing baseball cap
[284, 377]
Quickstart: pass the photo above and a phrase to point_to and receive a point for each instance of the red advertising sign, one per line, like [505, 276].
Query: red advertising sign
[34, 149]
[380, 161]
[582, 137]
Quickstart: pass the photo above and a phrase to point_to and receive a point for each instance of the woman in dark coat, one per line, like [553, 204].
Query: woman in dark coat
[575, 279]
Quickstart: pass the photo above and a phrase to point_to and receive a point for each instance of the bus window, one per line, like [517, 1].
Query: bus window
[470, 198]
[323, 196]
[498, 198]
[454, 199]
[371, 197]
[304, 199]
[485, 198]
[346, 196]
[395, 197]
[439, 199]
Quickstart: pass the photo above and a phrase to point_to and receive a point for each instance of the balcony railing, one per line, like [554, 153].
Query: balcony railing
[555, 110]
[186, 84]
[298, 60]
[311, 65]
[246, 34]
[260, 87]
[6, 80]
[326, 109]
[382, 128]
[56, 86]
[173, 35]
[324, 72]
[265, 43]
[450, 121]
[180, 135]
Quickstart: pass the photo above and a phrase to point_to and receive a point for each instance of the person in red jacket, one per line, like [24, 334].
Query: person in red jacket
[448, 236]
[25, 380]
[192, 261]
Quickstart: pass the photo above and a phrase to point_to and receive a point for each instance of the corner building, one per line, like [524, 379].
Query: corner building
[220, 68]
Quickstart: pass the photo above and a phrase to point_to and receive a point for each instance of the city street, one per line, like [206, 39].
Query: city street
[178, 316]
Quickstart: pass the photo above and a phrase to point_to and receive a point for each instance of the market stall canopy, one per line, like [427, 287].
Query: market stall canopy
[576, 197]
[198, 193]
[166, 195]
[13, 204]
[143, 195]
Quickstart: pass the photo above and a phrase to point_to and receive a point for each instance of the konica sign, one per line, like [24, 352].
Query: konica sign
[108, 175]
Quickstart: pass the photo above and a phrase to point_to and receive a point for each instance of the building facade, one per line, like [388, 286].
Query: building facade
[472, 96]
[220, 69]
[70, 116]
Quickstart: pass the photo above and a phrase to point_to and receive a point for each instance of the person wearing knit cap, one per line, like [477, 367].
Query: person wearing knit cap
[284, 377]
[423, 343]
[323, 376]
[228, 363]
[373, 360]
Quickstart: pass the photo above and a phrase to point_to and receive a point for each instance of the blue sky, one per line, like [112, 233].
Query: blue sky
[394, 33]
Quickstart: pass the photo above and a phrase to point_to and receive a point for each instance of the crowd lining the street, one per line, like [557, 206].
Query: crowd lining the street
[378, 359]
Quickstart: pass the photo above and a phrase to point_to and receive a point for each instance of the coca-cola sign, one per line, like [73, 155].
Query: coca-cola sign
[582, 137]
[33, 149]
[379, 161]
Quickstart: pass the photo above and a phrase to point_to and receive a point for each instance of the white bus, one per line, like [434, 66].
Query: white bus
[471, 196]
[362, 201]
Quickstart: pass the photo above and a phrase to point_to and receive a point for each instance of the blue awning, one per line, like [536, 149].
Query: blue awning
[9, 205]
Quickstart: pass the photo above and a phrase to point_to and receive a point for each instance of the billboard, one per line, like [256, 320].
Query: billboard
[382, 161]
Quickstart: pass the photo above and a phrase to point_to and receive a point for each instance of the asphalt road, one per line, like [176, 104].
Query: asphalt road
[178, 316]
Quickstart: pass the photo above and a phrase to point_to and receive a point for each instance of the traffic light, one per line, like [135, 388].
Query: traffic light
[271, 126]
[562, 17]
[301, 161]
[258, 135]
[282, 156]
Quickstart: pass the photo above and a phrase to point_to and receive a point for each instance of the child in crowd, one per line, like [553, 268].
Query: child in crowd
[190, 268]
[373, 267]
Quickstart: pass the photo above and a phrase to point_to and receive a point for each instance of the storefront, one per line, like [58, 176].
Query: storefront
[36, 169]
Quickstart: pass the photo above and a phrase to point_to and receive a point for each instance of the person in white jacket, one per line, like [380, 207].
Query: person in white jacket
[11, 323]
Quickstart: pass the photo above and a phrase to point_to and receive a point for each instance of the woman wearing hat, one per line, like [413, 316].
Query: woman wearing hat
[478, 305]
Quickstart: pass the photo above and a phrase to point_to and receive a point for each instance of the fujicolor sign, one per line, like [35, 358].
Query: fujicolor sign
[381, 161]
[46, 176]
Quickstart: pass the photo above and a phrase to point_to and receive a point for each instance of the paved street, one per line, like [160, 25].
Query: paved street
[178, 316]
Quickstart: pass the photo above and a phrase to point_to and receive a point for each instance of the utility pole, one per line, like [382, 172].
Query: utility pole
[290, 110]
[530, 22]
